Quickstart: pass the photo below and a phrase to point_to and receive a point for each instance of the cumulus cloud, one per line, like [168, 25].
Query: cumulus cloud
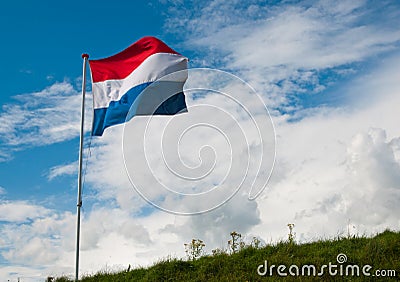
[376, 174]
[337, 164]
[34, 235]
[44, 239]
[288, 50]
[239, 214]
[20, 211]
[104, 221]
[312, 182]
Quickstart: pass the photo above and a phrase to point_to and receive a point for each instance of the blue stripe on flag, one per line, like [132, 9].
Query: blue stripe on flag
[117, 112]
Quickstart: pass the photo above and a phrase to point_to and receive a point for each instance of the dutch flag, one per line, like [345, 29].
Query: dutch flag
[147, 78]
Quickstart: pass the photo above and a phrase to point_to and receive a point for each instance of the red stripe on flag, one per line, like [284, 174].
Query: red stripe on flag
[120, 65]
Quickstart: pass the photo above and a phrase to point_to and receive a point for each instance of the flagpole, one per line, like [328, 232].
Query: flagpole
[79, 202]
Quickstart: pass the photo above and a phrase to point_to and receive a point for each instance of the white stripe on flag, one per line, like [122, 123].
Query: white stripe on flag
[153, 68]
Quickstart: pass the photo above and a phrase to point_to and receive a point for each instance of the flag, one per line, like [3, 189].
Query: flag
[146, 78]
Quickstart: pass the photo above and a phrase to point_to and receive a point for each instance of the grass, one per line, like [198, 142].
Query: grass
[382, 252]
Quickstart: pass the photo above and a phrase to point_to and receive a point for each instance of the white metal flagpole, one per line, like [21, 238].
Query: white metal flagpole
[79, 203]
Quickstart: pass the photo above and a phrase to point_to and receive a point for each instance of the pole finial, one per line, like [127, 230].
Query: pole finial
[84, 55]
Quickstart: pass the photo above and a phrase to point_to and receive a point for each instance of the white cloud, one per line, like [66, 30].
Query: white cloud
[105, 221]
[239, 214]
[34, 236]
[44, 239]
[342, 178]
[309, 38]
[376, 174]
[41, 118]
[337, 166]
[20, 211]
[59, 170]
[24, 273]
[283, 49]
[313, 184]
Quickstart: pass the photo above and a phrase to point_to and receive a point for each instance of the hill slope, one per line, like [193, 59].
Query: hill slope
[379, 255]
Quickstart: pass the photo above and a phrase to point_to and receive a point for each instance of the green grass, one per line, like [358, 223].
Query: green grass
[381, 252]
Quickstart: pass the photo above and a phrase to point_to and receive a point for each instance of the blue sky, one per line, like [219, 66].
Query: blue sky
[44, 47]
[327, 72]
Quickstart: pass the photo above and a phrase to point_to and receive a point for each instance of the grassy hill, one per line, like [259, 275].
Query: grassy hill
[377, 256]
